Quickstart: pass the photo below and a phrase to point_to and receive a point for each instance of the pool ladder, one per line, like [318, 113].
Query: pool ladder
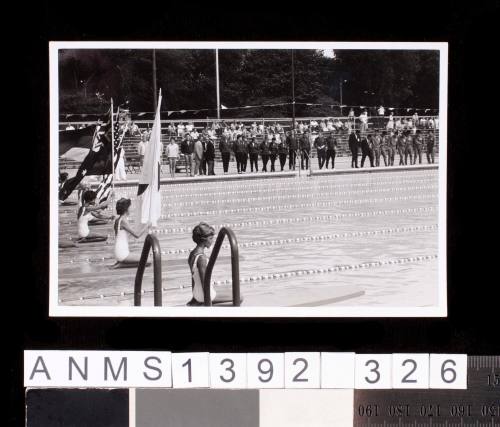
[151, 243]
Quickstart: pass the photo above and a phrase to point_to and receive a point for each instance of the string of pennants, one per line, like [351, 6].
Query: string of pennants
[309, 104]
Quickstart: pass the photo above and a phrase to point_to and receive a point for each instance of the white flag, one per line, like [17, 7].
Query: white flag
[148, 193]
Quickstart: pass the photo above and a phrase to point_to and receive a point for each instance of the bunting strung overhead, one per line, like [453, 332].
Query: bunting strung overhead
[281, 104]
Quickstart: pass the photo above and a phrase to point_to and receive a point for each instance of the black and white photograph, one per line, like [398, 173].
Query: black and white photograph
[256, 179]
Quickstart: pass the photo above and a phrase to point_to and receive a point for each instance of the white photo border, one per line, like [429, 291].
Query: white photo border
[440, 310]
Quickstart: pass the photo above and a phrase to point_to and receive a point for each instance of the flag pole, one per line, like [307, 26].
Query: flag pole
[217, 81]
[112, 158]
[158, 108]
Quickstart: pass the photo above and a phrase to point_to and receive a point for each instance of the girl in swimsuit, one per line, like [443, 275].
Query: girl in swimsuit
[86, 212]
[203, 235]
[122, 230]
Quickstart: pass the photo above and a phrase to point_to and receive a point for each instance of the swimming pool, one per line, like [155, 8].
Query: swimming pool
[300, 238]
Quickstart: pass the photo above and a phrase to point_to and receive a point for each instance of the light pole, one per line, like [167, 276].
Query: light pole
[154, 79]
[341, 84]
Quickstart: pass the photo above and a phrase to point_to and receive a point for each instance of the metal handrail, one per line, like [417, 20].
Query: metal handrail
[151, 242]
[235, 266]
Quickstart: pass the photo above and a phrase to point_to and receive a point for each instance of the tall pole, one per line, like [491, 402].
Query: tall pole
[154, 79]
[293, 107]
[217, 81]
[112, 157]
[341, 103]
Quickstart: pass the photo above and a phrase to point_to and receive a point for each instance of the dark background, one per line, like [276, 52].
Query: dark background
[473, 321]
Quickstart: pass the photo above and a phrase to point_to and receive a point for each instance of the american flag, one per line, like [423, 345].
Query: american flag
[106, 184]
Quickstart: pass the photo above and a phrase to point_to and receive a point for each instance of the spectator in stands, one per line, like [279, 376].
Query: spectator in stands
[187, 152]
[301, 127]
[134, 129]
[415, 118]
[194, 134]
[264, 152]
[172, 156]
[329, 125]
[430, 147]
[253, 151]
[210, 156]
[398, 124]
[181, 129]
[261, 128]
[390, 123]
[320, 145]
[189, 127]
[322, 126]
[354, 143]
[305, 149]
[363, 119]
[313, 125]
[331, 149]
[291, 143]
[273, 152]
[171, 129]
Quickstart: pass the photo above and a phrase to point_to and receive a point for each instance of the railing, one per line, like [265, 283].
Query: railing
[235, 266]
[151, 242]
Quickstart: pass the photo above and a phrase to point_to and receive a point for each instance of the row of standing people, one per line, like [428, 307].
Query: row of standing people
[408, 146]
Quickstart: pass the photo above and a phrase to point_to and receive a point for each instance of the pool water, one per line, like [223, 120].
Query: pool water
[374, 232]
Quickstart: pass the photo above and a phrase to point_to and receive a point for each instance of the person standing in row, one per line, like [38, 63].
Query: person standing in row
[400, 146]
[239, 153]
[320, 145]
[210, 156]
[384, 148]
[203, 163]
[331, 150]
[273, 153]
[366, 150]
[197, 158]
[225, 150]
[187, 152]
[291, 143]
[430, 147]
[282, 152]
[354, 144]
[253, 151]
[264, 152]
[418, 143]
[172, 152]
[408, 147]
[391, 148]
[376, 142]
[305, 148]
